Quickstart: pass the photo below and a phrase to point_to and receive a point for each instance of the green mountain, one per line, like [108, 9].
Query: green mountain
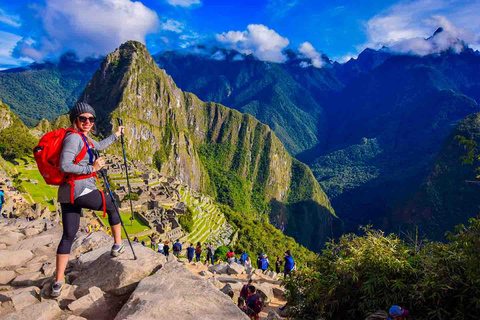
[16, 140]
[280, 95]
[213, 149]
[45, 90]
[449, 195]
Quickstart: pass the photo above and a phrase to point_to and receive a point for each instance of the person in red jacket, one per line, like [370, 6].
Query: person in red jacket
[230, 256]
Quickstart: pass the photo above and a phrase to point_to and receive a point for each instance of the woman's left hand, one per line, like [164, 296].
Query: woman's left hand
[120, 130]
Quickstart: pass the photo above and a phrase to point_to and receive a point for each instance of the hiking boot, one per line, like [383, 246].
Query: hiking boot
[57, 287]
[117, 249]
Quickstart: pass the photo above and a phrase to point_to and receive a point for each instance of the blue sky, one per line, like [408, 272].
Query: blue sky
[41, 30]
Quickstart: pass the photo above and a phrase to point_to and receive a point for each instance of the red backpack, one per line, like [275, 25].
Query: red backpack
[47, 155]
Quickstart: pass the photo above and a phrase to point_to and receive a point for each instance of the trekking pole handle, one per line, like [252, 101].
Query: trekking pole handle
[120, 122]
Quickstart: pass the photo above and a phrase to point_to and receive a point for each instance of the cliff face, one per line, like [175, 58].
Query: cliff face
[198, 142]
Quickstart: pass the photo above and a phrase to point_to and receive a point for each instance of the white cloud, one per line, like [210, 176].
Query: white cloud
[11, 20]
[219, 55]
[346, 57]
[308, 51]
[259, 40]
[91, 27]
[173, 25]
[405, 26]
[8, 41]
[184, 3]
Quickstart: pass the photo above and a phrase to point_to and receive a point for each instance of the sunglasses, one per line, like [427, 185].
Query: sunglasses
[83, 119]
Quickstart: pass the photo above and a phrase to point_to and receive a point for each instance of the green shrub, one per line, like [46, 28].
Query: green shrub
[221, 252]
[359, 275]
[133, 196]
[186, 220]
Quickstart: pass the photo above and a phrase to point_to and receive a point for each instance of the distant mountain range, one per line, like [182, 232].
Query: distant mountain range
[369, 129]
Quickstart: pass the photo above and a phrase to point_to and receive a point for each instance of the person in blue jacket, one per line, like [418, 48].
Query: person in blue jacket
[190, 252]
[243, 258]
[289, 264]
[2, 200]
[264, 263]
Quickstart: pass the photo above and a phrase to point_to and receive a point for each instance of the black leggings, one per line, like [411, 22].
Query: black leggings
[71, 216]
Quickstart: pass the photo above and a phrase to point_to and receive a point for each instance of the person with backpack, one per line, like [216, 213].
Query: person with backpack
[259, 261]
[254, 304]
[243, 257]
[77, 172]
[244, 290]
[198, 251]
[166, 249]
[190, 252]
[248, 264]
[210, 253]
[230, 256]
[2, 201]
[177, 248]
[289, 264]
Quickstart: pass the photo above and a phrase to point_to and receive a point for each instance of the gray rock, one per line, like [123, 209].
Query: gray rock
[66, 297]
[92, 241]
[121, 274]
[29, 279]
[6, 277]
[36, 242]
[272, 315]
[84, 261]
[3, 246]
[29, 232]
[228, 279]
[31, 267]
[14, 258]
[48, 269]
[87, 301]
[7, 295]
[278, 292]
[24, 299]
[10, 238]
[221, 268]
[235, 268]
[175, 293]
[47, 310]
[265, 292]
[234, 287]
[205, 273]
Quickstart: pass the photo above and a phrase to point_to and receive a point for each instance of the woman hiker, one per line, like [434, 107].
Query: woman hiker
[85, 193]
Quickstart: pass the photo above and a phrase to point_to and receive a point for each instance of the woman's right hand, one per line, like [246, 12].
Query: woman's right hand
[98, 164]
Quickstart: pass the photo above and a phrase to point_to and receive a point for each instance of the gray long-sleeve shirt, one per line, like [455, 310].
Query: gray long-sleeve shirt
[71, 147]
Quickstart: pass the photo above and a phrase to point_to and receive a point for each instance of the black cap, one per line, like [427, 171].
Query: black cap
[79, 108]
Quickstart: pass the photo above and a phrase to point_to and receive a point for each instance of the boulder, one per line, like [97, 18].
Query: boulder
[37, 242]
[92, 241]
[14, 258]
[7, 295]
[87, 301]
[47, 310]
[87, 258]
[220, 268]
[66, 297]
[119, 275]
[3, 246]
[48, 269]
[29, 279]
[278, 292]
[24, 299]
[272, 315]
[10, 238]
[29, 232]
[235, 268]
[228, 279]
[265, 292]
[6, 277]
[272, 274]
[217, 284]
[205, 273]
[175, 293]
[234, 287]
[31, 267]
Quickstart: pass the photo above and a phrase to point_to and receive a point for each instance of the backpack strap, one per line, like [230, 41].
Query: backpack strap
[72, 177]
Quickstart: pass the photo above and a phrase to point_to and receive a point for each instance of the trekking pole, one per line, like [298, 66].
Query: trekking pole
[103, 173]
[120, 123]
